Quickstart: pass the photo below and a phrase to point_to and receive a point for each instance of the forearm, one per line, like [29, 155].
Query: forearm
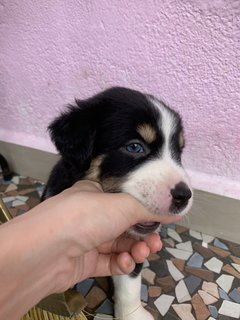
[32, 259]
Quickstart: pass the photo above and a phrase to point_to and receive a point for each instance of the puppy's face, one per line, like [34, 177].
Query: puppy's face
[129, 142]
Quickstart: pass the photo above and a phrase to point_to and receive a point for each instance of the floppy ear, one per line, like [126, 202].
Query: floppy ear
[73, 134]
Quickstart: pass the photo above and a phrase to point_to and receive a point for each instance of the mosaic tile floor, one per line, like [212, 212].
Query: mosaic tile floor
[195, 276]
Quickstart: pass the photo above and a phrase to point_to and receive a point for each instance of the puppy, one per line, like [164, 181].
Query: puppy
[128, 142]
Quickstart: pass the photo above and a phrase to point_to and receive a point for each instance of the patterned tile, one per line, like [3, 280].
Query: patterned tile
[207, 298]
[106, 308]
[193, 283]
[174, 235]
[84, 286]
[206, 238]
[236, 266]
[180, 264]
[144, 293]
[220, 252]
[186, 246]
[201, 273]
[175, 273]
[195, 234]
[201, 310]
[154, 291]
[205, 252]
[181, 292]
[214, 265]
[220, 244]
[195, 276]
[163, 303]
[213, 310]
[225, 282]
[223, 294]
[167, 284]
[211, 288]
[230, 309]
[184, 311]
[235, 295]
[95, 297]
[178, 253]
[195, 261]
[148, 275]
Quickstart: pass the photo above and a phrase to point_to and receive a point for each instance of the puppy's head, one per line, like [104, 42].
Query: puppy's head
[129, 142]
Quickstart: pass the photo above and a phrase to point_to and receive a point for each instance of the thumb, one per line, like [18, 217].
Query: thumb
[137, 213]
[130, 206]
[87, 186]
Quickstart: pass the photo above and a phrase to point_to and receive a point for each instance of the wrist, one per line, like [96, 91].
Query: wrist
[32, 262]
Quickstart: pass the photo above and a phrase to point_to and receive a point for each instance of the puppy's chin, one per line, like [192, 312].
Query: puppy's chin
[143, 229]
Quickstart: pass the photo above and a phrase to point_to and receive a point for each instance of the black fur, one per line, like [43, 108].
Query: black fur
[137, 270]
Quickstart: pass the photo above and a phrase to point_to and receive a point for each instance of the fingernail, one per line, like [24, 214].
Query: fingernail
[130, 262]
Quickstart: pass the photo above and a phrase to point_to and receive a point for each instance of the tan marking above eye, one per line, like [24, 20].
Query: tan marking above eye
[147, 132]
[181, 140]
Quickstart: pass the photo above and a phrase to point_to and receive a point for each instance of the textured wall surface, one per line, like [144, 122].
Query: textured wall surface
[185, 51]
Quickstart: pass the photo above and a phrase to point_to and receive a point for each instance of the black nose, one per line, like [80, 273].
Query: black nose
[181, 194]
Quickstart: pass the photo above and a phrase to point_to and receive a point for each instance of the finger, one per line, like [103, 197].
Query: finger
[122, 244]
[87, 186]
[114, 264]
[153, 242]
[135, 212]
[126, 241]
[140, 251]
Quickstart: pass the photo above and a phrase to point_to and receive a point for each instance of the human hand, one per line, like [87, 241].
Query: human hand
[76, 234]
[96, 230]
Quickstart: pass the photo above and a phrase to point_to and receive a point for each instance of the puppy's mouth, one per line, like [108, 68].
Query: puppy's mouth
[145, 228]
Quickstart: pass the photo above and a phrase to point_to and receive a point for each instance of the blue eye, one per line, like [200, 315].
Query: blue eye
[135, 148]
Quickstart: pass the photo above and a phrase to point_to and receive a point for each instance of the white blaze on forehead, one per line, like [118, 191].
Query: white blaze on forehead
[167, 124]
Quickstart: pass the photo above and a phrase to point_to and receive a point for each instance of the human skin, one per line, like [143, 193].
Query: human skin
[67, 238]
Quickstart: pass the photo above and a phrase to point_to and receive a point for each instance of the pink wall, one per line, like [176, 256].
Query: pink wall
[185, 51]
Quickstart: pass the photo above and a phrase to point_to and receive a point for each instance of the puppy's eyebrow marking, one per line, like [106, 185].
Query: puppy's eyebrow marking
[147, 132]
[181, 140]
